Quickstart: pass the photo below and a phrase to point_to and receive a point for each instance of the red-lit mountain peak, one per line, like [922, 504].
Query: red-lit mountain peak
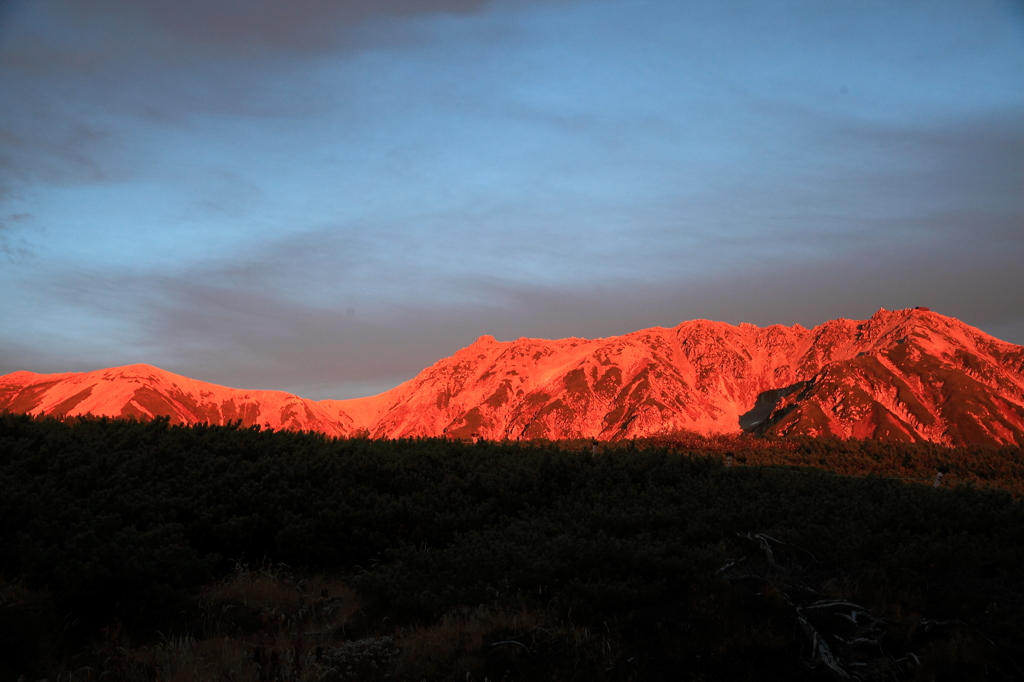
[905, 374]
[143, 392]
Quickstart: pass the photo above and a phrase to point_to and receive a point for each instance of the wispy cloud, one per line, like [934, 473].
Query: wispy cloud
[326, 197]
[15, 237]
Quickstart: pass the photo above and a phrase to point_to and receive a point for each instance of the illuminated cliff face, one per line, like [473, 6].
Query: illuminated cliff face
[904, 375]
[143, 392]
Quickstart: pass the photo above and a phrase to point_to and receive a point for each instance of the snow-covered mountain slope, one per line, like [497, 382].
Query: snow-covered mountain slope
[904, 375]
[143, 392]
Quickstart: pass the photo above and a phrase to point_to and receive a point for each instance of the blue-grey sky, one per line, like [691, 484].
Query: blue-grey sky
[325, 197]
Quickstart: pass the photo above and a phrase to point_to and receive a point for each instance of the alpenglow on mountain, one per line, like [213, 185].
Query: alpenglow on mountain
[908, 375]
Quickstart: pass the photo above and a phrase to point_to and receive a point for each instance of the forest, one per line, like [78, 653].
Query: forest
[146, 551]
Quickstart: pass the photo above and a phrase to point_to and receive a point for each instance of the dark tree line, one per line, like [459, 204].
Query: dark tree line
[127, 520]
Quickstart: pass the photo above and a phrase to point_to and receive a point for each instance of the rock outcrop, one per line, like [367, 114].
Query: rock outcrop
[909, 375]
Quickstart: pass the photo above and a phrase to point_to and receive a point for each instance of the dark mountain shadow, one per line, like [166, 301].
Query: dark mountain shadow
[756, 420]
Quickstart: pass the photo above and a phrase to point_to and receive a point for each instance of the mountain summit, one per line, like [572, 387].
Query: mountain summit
[910, 375]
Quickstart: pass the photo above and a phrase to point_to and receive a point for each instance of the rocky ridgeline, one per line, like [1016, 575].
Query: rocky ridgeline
[903, 375]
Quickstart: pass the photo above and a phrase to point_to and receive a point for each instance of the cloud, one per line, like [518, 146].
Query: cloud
[327, 197]
[15, 245]
[232, 27]
[246, 319]
[903, 217]
[85, 87]
[972, 161]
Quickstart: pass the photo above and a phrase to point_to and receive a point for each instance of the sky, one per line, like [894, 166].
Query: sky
[325, 197]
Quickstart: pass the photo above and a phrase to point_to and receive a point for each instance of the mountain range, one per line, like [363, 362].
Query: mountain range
[907, 375]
